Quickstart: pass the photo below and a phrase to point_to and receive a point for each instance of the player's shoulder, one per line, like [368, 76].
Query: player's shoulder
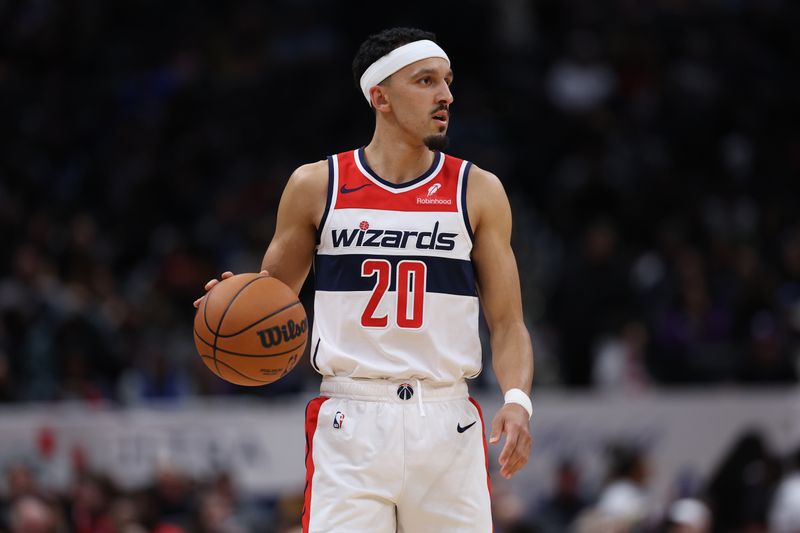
[310, 178]
[484, 184]
[486, 197]
[306, 191]
[311, 172]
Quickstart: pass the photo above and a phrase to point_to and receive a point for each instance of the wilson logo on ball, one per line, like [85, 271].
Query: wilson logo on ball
[279, 334]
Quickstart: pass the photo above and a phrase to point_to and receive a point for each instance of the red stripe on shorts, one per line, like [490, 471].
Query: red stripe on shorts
[312, 413]
[485, 448]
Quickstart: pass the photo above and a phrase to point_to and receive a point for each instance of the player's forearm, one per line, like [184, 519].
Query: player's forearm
[290, 253]
[512, 356]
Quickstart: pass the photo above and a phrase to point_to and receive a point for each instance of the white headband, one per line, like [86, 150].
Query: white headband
[397, 59]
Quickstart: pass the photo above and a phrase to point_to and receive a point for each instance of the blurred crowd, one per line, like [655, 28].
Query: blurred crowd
[751, 490]
[174, 503]
[650, 150]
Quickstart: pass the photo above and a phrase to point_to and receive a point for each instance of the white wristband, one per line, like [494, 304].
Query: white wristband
[519, 397]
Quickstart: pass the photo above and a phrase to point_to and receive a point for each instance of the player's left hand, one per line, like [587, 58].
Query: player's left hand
[512, 420]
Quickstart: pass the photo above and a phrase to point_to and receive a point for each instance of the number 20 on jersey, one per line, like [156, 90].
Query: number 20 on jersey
[410, 277]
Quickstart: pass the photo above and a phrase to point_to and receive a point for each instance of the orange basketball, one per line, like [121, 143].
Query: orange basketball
[250, 329]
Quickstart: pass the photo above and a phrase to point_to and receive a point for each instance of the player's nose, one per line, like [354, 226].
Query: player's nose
[444, 96]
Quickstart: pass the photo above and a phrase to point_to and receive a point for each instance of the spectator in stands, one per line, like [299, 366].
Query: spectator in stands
[30, 514]
[171, 501]
[694, 333]
[559, 510]
[623, 504]
[743, 484]
[592, 300]
[89, 505]
[688, 516]
[784, 512]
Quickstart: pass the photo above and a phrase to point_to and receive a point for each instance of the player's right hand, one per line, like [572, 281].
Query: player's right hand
[211, 283]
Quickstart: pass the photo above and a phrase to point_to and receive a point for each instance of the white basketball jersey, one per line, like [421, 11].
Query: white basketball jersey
[395, 288]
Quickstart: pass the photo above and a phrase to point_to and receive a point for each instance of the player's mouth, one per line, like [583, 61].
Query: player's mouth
[441, 117]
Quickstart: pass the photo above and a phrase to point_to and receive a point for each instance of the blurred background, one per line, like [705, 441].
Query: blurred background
[651, 152]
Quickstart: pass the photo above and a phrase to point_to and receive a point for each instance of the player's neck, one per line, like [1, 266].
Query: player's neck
[397, 159]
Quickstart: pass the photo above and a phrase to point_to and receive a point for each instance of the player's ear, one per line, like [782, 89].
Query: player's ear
[380, 98]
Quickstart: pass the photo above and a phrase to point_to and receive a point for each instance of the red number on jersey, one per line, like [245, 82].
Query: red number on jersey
[411, 280]
[383, 269]
[411, 277]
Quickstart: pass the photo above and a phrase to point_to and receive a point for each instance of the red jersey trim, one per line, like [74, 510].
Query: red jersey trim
[435, 193]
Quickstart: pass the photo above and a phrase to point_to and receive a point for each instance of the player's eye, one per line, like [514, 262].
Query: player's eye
[425, 81]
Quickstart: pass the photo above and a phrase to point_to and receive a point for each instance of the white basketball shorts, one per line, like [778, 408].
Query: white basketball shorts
[388, 456]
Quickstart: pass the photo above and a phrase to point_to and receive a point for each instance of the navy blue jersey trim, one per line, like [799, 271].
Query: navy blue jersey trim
[328, 200]
[464, 203]
[360, 154]
[444, 275]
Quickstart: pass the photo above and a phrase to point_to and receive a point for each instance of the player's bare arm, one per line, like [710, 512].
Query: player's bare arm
[289, 254]
[498, 286]
[291, 251]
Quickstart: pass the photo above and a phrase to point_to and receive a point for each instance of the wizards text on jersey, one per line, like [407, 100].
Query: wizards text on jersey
[388, 238]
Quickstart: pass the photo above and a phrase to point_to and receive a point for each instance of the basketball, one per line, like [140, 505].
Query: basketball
[250, 329]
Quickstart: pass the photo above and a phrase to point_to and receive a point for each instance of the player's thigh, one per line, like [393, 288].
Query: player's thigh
[446, 485]
[463, 511]
[353, 466]
[352, 515]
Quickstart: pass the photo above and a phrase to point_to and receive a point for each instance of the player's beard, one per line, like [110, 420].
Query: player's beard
[437, 142]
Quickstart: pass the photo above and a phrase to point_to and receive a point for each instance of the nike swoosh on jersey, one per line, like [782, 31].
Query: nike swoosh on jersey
[462, 430]
[345, 190]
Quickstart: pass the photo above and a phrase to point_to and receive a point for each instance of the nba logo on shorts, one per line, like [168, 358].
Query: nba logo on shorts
[338, 420]
[405, 392]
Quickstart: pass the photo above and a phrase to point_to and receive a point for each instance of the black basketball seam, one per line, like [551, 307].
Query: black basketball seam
[278, 311]
[205, 319]
[222, 319]
[285, 370]
[246, 354]
[205, 316]
[237, 372]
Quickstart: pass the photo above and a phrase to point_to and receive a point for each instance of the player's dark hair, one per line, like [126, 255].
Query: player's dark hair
[378, 45]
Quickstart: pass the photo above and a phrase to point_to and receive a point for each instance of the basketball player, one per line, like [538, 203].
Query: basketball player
[403, 239]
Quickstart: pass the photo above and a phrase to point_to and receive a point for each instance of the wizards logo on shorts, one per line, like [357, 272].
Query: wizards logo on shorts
[405, 392]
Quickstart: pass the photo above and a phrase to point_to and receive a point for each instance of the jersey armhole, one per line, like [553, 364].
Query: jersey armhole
[333, 178]
[466, 166]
